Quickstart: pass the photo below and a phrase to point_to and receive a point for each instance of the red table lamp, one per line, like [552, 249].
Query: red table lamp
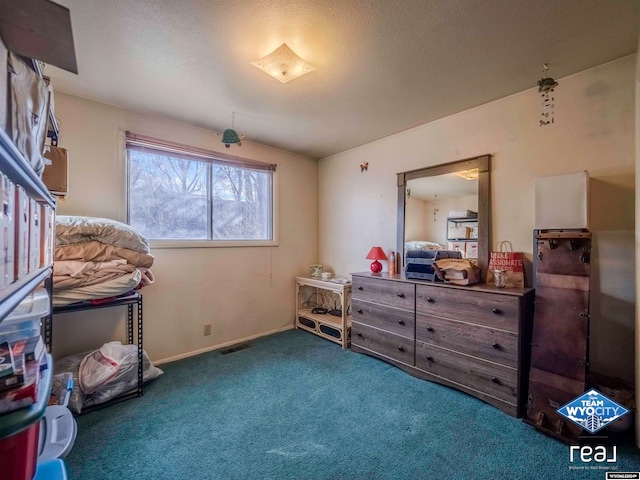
[375, 254]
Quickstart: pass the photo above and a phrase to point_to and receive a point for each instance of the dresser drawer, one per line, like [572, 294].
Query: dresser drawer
[401, 322]
[385, 292]
[384, 343]
[485, 342]
[489, 309]
[495, 380]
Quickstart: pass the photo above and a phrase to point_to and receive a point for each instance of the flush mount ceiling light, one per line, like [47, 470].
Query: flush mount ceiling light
[468, 174]
[283, 64]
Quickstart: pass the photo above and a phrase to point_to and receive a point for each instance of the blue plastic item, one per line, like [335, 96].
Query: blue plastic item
[51, 470]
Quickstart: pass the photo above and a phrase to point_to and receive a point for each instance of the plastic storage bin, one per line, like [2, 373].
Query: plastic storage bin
[24, 321]
[51, 470]
[19, 434]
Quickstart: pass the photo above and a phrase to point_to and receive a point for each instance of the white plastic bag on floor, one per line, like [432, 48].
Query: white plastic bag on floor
[102, 366]
[127, 377]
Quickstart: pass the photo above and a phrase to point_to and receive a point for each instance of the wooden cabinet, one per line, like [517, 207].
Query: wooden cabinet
[560, 338]
[384, 318]
[473, 338]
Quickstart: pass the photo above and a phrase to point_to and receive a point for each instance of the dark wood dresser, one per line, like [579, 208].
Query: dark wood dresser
[473, 338]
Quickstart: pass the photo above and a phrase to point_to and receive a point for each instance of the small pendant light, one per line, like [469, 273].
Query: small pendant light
[230, 136]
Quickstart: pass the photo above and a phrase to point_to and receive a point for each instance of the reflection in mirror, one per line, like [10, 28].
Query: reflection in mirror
[431, 201]
[446, 207]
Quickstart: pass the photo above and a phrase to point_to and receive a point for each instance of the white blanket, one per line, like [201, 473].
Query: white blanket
[110, 288]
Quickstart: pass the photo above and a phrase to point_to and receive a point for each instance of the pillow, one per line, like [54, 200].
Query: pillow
[72, 230]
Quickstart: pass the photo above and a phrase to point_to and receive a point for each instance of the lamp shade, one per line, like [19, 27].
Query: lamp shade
[375, 254]
[230, 136]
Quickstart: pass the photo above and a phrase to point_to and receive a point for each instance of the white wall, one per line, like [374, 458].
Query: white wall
[593, 130]
[416, 213]
[243, 291]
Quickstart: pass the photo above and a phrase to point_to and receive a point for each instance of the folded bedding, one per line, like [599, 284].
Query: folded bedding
[110, 288]
[413, 245]
[99, 252]
[73, 274]
[98, 258]
[100, 239]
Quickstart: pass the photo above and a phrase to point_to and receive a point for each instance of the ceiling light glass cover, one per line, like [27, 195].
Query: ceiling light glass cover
[283, 64]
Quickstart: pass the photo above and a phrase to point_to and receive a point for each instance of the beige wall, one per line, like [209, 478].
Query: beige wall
[593, 131]
[243, 291]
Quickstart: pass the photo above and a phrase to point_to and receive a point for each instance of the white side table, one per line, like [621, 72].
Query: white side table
[335, 325]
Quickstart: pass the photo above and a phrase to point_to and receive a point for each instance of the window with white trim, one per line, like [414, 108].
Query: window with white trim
[176, 192]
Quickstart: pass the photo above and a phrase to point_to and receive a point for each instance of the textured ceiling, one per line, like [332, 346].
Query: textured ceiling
[382, 66]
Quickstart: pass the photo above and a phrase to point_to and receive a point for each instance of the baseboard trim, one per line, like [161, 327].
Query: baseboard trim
[220, 345]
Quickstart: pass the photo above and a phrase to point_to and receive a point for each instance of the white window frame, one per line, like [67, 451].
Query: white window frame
[217, 157]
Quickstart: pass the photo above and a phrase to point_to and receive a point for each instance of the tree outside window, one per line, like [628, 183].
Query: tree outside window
[179, 198]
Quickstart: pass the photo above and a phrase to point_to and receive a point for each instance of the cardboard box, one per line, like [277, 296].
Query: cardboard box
[471, 250]
[458, 232]
[56, 170]
[457, 247]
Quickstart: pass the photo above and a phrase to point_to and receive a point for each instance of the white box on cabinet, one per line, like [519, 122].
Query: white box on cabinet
[562, 201]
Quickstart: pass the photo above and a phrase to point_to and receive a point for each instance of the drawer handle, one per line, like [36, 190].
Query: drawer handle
[359, 288]
[360, 311]
[497, 311]
[495, 380]
[401, 349]
[429, 358]
[401, 295]
[429, 329]
[360, 335]
[429, 300]
[497, 346]
[401, 322]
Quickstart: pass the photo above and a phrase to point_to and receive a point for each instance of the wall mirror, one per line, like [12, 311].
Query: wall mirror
[446, 206]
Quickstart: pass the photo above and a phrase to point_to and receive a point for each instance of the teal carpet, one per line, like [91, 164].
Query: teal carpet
[295, 406]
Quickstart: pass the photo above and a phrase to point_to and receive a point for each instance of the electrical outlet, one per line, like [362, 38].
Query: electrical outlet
[207, 329]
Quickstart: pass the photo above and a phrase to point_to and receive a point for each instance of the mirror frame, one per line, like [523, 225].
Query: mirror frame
[483, 164]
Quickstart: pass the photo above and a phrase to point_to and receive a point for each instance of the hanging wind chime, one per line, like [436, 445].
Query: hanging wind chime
[546, 86]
